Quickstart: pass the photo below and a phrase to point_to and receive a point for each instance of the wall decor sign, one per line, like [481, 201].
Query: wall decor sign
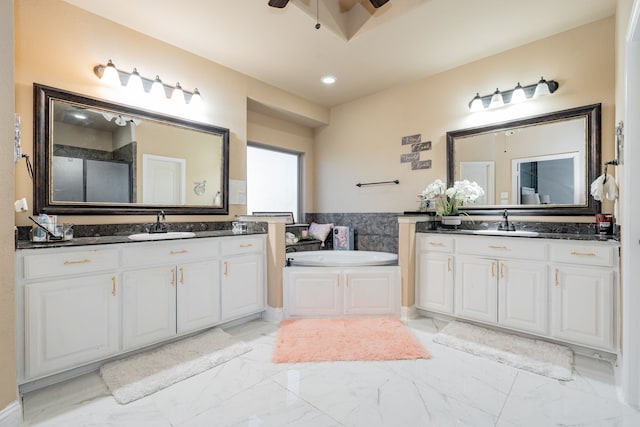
[417, 146]
[410, 157]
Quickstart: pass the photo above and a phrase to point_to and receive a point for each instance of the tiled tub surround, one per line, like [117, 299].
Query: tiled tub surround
[372, 231]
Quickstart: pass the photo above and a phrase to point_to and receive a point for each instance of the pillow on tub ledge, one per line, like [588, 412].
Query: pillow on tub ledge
[320, 231]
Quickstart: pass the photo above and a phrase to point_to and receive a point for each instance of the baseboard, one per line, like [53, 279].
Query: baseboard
[11, 416]
[273, 314]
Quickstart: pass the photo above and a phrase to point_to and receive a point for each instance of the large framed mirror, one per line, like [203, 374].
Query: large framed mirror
[540, 165]
[97, 157]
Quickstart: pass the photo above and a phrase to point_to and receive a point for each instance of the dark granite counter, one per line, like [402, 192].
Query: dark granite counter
[88, 235]
[544, 230]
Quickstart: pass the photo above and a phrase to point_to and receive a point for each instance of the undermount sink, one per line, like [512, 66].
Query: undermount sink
[516, 233]
[162, 236]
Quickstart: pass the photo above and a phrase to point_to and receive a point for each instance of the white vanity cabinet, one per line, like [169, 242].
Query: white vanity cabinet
[334, 291]
[243, 282]
[502, 281]
[434, 273]
[71, 308]
[85, 304]
[162, 283]
[583, 293]
[561, 289]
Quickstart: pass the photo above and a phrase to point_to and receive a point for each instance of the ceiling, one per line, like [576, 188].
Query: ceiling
[367, 49]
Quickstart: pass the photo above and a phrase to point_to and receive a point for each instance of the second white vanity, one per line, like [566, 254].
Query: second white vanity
[565, 290]
[82, 304]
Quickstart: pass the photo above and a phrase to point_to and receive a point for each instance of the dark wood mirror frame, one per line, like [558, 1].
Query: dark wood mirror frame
[592, 113]
[43, 203]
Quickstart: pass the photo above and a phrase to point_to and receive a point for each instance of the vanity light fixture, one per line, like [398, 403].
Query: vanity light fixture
[513, 96]
[135, 82]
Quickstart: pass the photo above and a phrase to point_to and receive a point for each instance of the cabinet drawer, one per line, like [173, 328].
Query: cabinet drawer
[583, 254]
[240, 245]
[436, 243]
[54, 264]
[153, 253]
[505, 247]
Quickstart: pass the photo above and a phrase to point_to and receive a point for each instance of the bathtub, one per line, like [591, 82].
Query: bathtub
[341, 258]
[341, 284]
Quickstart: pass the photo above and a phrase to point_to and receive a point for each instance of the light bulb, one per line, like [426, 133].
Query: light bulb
[110, 75]
[196, 99]
[496, 99]
[157, 89]
[135, 82]
[518, 95]
[476, 104]
[542, 89]
[177, 97]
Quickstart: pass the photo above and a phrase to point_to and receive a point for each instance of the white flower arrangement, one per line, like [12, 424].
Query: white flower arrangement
[449, 200]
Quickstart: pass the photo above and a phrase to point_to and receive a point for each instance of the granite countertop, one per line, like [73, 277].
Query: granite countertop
[544, 230]
[107, 234]
[108, 240]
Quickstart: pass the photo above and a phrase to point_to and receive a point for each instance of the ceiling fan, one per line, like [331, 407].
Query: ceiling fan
[282, 3]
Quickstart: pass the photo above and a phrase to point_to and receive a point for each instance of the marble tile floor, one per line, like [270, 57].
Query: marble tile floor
[451, 389]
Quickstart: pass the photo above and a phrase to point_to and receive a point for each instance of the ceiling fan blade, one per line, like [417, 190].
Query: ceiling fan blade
[378, 3]
[278, 3]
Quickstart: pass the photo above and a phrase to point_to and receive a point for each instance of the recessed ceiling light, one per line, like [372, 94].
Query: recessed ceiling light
[328, 80]
[80, 116]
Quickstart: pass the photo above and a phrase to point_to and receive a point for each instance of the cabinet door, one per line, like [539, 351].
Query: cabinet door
[522, 296]
[434, 281]
[582, 305]
[198, 295]
[148, 305]
[242, 285]
[373, 292]
[70, 322]
[312, 292]
[476, 288]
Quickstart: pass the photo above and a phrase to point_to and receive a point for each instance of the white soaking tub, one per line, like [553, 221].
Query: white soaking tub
[341, 258]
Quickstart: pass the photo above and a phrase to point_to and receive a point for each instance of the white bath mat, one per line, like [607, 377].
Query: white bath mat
[145, 373]
[540, 357]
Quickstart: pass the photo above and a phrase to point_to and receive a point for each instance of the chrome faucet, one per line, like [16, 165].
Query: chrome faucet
[159, 227]
[505, 226]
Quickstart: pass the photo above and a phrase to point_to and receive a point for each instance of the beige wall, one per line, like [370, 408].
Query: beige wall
[363, 141]
[8, 388]
[83, 40]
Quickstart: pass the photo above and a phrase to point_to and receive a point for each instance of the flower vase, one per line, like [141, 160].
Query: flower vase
[451, 220]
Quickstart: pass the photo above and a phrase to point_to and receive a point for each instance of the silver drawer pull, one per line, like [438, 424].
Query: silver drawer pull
[436, 244]
[82, 261]
[574, 253]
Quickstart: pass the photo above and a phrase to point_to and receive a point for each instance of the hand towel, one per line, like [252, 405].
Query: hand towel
[601, 188]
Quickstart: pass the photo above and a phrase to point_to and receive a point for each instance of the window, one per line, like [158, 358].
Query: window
[273, 180]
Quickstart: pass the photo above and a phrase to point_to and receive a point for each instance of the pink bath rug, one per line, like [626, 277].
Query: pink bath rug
[322, 340]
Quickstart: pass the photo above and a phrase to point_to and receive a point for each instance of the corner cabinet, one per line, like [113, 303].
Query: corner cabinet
[560, 289]
[80, 305]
